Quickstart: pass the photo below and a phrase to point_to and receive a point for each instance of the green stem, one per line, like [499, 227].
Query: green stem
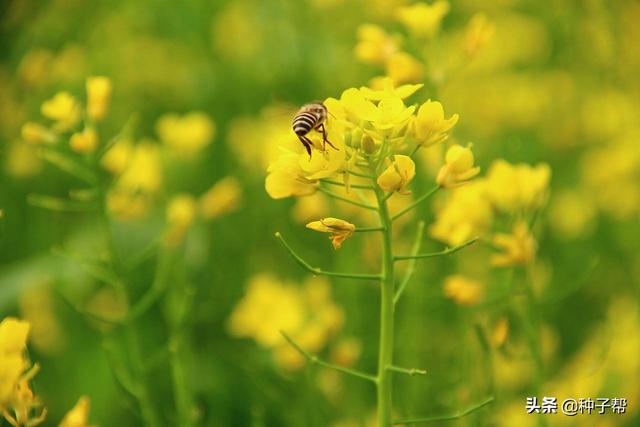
[455, 416]
[412, 263]
[346, 199]
[416, 203]
[316, 360]
[436, 254]
[149, 413]
[387, 284]
[319, 272]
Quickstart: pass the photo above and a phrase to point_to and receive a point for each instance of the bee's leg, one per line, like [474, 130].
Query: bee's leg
[324, 137]
[307, 144]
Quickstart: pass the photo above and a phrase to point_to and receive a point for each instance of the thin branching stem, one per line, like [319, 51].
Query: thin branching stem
[319, 272]
[417, 243]
[454, 416]
[340, 184]
[409, 371]
[416, 203]
[316, 360]
[346, 199]
[447, 251]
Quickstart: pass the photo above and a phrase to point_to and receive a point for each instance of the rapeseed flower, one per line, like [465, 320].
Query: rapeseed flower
[78, 416]
[398, 174]
[186, 135]
[520, 187]
[223, 197]
[375, 46]
[35, 133]
[463, 290]
[465, 214]
[458, 168]
[478, 33]
[98, 97]
[286, 178]
[385, 88]
[339, 229]
[85, 141]
[402, 67]
[423, 20]
[518, 247]
[180, 214]
[64, 110]
[430, 126]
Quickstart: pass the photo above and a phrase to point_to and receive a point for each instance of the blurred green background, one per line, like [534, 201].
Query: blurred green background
[556, 83]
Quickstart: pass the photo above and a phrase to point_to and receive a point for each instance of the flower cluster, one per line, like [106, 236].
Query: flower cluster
[421, 22]
[270, 306]
[18, 404]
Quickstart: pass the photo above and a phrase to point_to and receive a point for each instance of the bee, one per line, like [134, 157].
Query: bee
[311, 117]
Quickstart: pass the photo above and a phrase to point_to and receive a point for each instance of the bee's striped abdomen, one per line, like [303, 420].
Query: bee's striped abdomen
[303, 122]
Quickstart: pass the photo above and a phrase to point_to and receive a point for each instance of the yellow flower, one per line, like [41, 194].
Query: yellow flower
[423, 20]
[478, 33]
[513, 188]
[340, 230]
[306, 314]
[144, 172]
[64, 110]
[187, 134]
[465, 214]
[323, 164]
[85, 141]
[17, 401]
[374, 46]
[98, 97]
[35, 133]
[430, 126]
[462, 290]
[117, 158]
[458, 168]
[223, 197]
[180, 215]
[133, 192]
[518, 248]
[402, 67]
[398, 174]
[78, 416]
[287, 179]
[346, 352]
[385, 88]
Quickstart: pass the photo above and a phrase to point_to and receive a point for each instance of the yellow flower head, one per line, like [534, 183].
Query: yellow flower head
[514, 188]
[35, 133]
[403, 68]
[186, 135]
[462, 290]
[98, 97]
[384, 87]
[64, 110]
[13, 336]
[85, 141]
[13, 344]
[133, 193]
[458, 168]
[398, 174]
[286, 178]
[423, 20]
[478, 33]
[518, 248]
[180, 215]
[78, 416]
[430, 126]
[117, 158]
[223, 197]
[374, 46]
[339, 229]
[466, 213]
